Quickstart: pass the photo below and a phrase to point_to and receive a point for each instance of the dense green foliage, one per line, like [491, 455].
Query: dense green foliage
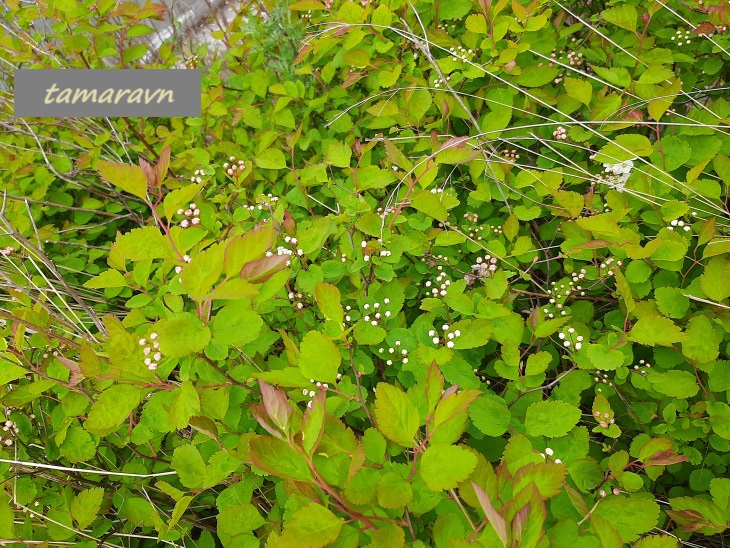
[437, 273]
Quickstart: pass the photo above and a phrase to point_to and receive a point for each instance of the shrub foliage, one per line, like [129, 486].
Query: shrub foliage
[436, 274]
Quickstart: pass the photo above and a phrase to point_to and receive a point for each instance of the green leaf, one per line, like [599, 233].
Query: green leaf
[370, 177]
[702, 344]
[394, 491]
[454, 9]
[624, 16]
[319, 357]
[243, 249]
[444, 466]
[236, 523]
[277, 458]
[85, 506]
[271, 158]
[674, 383]
[134, 53]
[78, 446]
[430, 204]
[579, 89]
[185, 405]
[236, 325]
[715, 280]
[339, 154]
[476, 23]
[141, 244]
[604, 359]
[182, 334]
[656, 330]
[312, 526]
[533, 76]
[199, 276]
[10, 372]
[329, 301]
[490, 415]
[127, 177]
[671, 302]
[396, 415]
[551, 418]
[189, 465]
[112, 408]
[108, 278]
[631, 517]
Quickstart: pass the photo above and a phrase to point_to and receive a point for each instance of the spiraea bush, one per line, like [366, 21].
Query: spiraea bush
[422, 274]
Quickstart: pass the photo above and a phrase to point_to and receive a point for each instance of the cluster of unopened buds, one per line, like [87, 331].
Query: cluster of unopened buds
[445, 26]
[483, 268]
[570, 339]
[602, 378]
[603, 421]
[10, 428]
[7, 251]
[281, 250]
[437, 190]
[511, 155]
[482, 378]
[448, 337]
[395, 352]
[196, 178]
[679, 224]
[438, 82]
[293, 242]
[295, 298]
[186, 260]
[549, 453]
[603, 493]
[148, 347]
[576, 277]
[682, 37]
[473, 217]
[235, 168]
[308, 13]
[192, 216]
[642, 364]
[558, 292]
[460, 53]
[607, 268]
[321, 385]
[374, 315]
[384, 212]
[560, 133]
[266, 201]
[440, 286]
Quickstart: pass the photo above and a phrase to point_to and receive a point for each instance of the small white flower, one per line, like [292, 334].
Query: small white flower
[435, 340]
[566, 343]
[548, 451]
[450, 344]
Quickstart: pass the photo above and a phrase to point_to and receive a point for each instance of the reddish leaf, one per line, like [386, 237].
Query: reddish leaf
[277, 406]
[260, 270]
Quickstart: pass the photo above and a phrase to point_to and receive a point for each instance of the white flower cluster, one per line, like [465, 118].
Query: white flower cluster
[549, 453]
[576, 277]
[151, 360]
[235, 168]
[496, 229]
[437, 190]
[321, 385]
[557, 292]
[448, 337]
[606, 266]
[11, 429]
[267, 201]
[570, 339]
[484, 267]
[373, 315]
[293, 242]
[393, 352]
[560, 133]
[196, 178]
[7, 251]
[618, 174]
[678, 223]
[192, 215]
[682, 37]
